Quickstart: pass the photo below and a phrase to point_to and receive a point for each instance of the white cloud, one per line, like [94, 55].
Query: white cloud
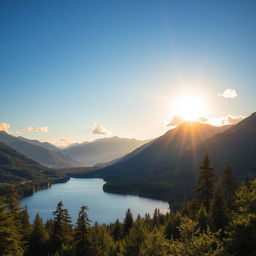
[228, 120]
[177, 120]
[5, 127]
[36, 129]
[99, 129]
[229, 93]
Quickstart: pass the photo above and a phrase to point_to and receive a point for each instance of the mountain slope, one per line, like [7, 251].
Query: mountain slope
[37, 152]
[151, 170]
[15, 167]
[102, 150]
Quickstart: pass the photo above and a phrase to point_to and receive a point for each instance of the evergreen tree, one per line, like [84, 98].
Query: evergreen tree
[82, 241]
[203, 219]
[206, 182]
[128, 222]
[61, 236]
[135, 238]
[10, 239]
[153, 245]
[229, 188]
[38, 238]
[218, 213]
[26, 227]
[117, 231]
[101, 241]
[172, 227]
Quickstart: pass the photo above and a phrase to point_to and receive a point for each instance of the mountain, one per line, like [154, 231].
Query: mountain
[155, 169]
[16, 168]
[102, 150]
[39, 152]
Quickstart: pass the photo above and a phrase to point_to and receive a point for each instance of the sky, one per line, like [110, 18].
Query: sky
[81, 70]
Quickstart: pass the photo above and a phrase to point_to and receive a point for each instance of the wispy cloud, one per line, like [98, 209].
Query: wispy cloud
[36, 129]
[5, 127]
[99, 129]
[229, 93]
[227, 120]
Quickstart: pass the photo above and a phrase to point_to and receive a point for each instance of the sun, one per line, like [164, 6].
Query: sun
[190, 107]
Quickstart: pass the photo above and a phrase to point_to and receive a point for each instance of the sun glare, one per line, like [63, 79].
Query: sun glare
[190, 107]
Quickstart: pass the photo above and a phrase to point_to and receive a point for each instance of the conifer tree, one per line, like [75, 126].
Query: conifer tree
[172, 227]
[203, 219]
[38, 238]
[26, 227]
[10, 239]
[82, 242]
[229, 188]
[218, 213]
[135, 238]
[62, 229]
[117, 231]
[128, 222]
[206, 182]
[101, 241]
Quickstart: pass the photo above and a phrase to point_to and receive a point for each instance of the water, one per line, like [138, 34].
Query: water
[103, 207]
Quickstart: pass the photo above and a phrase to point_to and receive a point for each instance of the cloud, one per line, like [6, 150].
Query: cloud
[5, 127]
[63, 142]
[99, 129]
[202, 119]
[177, 120]
[36, 129]
[229, 93]
[229, 120]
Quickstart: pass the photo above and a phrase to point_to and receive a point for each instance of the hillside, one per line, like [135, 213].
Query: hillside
[39, 152]
[16, 168]
[102, 150]
[151, 169]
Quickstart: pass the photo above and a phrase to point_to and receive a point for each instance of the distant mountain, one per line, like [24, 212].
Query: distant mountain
[44, 145]
[102, 150]
[40, 152]
[16, 168]
[155, 169]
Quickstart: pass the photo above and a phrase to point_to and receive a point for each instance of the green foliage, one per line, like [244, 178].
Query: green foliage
[206, 182]
[192, 242]
[101, 241]
[154, 244]
[135, 239]
[62, 233]
[38, 238]
[203, 219]
[172, 226]
[10, 239]
[82, 242]
[128, 222]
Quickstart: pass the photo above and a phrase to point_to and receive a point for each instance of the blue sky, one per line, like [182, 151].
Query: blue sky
[68, 65]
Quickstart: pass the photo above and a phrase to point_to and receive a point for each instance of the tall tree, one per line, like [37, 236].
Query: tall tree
[38, 238]
[117, 231]
[62, 229]
[128, 222]
[82, 241]
[229, 187]
[10, 239]
[206, 183]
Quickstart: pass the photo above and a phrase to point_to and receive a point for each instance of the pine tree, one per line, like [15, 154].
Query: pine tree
[117, 231]
[229, 188]
[128, 222]
[82, 242]
[203, 219]
[26, 227]
[218, 213]
[206, 182]
[38, 238]
[10, 239]
[101, 241]
[135, 238]
[172, 227]
[62, 229]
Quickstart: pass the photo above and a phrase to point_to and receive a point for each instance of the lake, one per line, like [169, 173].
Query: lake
[103, 207]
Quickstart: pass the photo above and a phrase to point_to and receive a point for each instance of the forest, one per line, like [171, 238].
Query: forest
[219, 220]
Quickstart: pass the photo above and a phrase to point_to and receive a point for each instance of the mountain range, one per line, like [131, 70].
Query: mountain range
[167, 167]
[44, 153]
[102, 150]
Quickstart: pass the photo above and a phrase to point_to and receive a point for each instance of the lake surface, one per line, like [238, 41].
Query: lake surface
[103, 207]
